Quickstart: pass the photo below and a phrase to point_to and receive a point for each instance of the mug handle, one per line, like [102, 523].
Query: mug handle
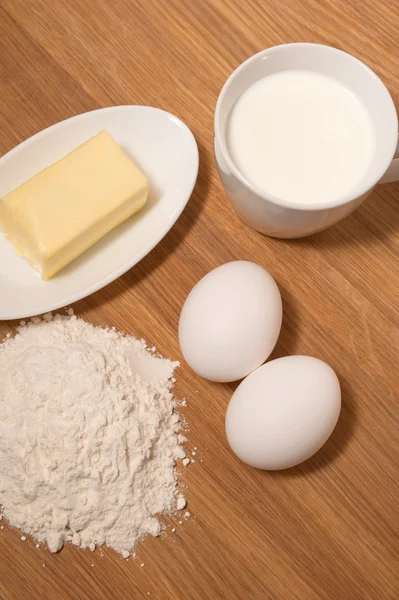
[392, 172]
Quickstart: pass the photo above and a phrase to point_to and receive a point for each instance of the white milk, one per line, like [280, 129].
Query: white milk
[301, 136]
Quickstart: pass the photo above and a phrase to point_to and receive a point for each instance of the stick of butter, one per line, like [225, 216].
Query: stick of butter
[63, 210]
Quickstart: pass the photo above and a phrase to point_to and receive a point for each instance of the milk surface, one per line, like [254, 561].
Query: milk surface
[301, 136]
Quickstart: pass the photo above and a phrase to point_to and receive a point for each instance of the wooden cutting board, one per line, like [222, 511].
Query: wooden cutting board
[327, 529]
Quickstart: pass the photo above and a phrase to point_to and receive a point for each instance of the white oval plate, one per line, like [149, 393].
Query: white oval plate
[162, 147]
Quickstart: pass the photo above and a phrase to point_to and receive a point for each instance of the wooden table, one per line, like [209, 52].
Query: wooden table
[327, 529]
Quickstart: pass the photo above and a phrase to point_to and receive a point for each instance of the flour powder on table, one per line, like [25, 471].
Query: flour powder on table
[87, 445]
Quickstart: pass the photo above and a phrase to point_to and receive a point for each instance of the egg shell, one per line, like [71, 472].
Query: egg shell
[283, 412]
[230, 321]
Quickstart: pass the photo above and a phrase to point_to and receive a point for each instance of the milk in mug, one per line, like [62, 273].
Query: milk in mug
[301, 136]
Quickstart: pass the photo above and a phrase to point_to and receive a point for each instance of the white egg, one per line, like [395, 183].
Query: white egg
[230, 321]
[283, 412]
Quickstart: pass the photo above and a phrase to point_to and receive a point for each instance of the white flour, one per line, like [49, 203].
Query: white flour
[87, 446]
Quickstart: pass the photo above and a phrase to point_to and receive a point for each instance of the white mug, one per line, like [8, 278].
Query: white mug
[287, 219]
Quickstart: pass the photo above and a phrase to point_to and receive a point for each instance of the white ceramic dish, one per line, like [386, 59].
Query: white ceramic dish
[164, 149]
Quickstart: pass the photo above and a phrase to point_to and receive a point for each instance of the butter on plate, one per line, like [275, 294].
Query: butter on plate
[66, 208]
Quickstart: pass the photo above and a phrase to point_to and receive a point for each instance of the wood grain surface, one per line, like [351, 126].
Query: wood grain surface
[329, 528]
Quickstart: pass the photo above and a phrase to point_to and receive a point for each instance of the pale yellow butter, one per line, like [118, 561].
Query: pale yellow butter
[62, 211]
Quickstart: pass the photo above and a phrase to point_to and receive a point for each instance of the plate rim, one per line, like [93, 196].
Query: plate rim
[129, 264]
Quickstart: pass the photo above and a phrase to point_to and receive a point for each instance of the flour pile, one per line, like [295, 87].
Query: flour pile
[87, 446]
